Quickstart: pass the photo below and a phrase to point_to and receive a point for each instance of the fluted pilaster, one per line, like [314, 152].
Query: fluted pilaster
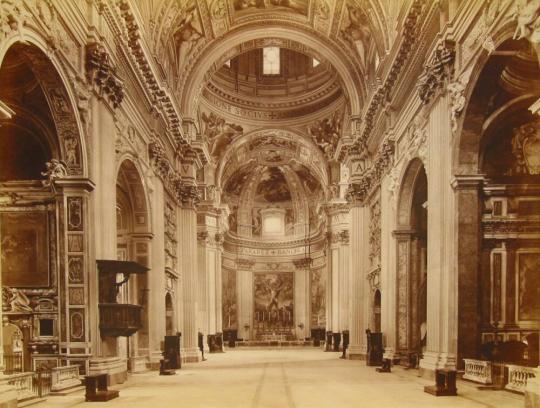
[187, 231]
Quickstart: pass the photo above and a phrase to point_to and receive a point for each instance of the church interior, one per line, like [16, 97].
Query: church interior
[266, 203]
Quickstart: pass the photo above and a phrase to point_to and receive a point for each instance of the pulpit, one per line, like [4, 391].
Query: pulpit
[117, 319]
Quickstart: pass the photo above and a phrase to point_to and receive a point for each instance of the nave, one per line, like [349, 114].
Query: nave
[287, 378]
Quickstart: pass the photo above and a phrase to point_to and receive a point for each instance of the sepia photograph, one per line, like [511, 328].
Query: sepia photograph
[270, 203]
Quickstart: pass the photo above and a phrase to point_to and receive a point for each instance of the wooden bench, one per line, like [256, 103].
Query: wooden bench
[96, 388]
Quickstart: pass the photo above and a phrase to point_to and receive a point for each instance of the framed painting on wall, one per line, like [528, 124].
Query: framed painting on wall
[24, 249]
[529, 286]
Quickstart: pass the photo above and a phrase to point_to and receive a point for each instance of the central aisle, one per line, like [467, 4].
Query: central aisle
[299, 378]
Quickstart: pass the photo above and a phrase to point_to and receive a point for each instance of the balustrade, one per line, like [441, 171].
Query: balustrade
[518, 376]
[65, 377]
[478, 371]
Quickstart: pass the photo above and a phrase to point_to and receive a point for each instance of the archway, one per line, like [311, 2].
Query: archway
[40, 148]
[377, 311]
[133, 244]
[411, 236]
[495, 188]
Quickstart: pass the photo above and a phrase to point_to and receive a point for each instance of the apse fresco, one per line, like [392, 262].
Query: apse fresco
[529, 286]
[244, 7]
[273, 187]
[311, 185]
[236, 182]
[273, 295]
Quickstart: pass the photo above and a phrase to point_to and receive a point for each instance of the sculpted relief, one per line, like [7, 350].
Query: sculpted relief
[219, 133]
[326, 133]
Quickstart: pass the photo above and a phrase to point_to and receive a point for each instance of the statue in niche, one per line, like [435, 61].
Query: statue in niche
[356, 32]
[219, 132]
[16, 299]
[526, 149]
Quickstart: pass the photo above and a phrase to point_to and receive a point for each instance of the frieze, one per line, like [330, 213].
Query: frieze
[243, 263]
[510, 227]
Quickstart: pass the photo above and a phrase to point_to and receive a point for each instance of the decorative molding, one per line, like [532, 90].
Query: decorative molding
[380, 96]
[437, 72]
[244, 263]
[360, 188]
[101, 72]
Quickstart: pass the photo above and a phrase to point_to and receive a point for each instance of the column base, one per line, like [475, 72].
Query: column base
[139, 364]
[191, 355]
[532, 393]
[432, 361]
[154, 358]
[357, 352]
[115, 367]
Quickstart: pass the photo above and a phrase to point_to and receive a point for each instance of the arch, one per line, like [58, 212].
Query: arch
[266, 32]
[60, 96]
[129, 173]
[310, 157]
[466, 147]
[377, 311]
[412, 172]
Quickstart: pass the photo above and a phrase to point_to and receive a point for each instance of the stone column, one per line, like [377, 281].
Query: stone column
[156, 275]
[338, 213]
[188, 266]
[104, 349]
[302, 297]
[359, 247]
[218, 305]
[244, 290]
[203, 265]
[441, 349]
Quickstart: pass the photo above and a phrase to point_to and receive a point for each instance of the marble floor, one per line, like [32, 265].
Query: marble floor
[294, 378]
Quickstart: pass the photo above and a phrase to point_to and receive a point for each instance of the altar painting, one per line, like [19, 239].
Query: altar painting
[273, 300]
